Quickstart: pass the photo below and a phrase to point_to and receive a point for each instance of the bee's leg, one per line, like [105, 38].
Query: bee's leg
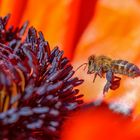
[109, 77]
[99, 73]
[115, 83]
[95, 75]
[106, 87]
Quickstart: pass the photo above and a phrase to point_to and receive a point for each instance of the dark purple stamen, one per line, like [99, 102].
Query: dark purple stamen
[37, 87]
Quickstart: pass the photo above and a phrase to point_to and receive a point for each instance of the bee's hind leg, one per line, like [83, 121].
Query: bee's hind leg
[109, 77]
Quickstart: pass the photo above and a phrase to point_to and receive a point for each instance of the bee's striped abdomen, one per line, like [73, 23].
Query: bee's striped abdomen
[125, 68]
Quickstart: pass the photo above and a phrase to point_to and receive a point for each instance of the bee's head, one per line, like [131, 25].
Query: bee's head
[91, 64]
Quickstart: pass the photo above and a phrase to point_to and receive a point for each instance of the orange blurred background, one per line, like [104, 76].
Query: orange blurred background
[82, 28]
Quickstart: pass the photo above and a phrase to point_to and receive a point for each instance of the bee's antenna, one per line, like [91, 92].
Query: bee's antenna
[81, 66]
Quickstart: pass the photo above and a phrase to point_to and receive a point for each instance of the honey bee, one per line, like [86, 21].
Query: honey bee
[104, 66]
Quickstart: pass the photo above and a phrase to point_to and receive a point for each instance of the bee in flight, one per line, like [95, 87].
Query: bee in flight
[103, 65]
